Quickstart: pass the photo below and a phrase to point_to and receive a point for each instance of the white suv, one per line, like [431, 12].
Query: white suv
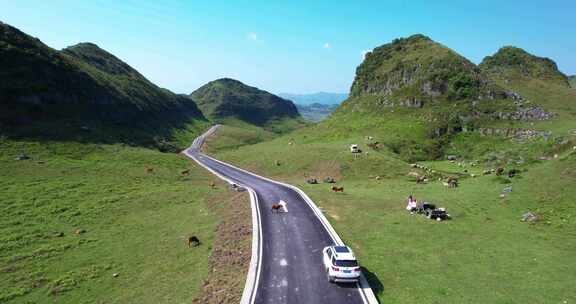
[340, 264]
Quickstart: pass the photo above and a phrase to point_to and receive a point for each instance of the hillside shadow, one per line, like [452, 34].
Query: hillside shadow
[140, 128]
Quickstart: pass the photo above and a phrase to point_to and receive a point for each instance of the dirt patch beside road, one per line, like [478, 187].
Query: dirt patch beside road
[231, 254]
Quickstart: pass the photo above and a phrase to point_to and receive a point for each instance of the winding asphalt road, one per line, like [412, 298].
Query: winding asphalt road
[288, 266]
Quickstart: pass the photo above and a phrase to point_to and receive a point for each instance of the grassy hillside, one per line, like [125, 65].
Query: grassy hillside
[512, 63]
[416, 95]
[416, 101]
[540, 82]
[424, 101]
[91, 214]
[485, 254]
[226, 99]
[416, 70]
[572, 80]
[80, 89]
[132, 223]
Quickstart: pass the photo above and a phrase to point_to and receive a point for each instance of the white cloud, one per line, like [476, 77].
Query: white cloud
[253, 36]
[327, 46]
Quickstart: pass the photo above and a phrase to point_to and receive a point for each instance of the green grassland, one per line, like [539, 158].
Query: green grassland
[234, 136]
[236, 133]
[135, 224]
[484, 255]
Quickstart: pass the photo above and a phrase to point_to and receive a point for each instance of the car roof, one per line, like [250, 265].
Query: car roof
[343, 253]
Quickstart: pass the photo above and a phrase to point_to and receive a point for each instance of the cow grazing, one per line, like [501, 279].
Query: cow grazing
[513, 172]
[499, 171]
[338, 189]
[374, 145]
[312, 181]
[193, 241]
[185, 172]
[452, 182]
[149, 170]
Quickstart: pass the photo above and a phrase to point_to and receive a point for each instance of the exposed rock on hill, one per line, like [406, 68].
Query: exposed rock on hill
[422, 98]
[520, 134]
[229, 98]
[512, 63]
[524, 114]
[416, 70]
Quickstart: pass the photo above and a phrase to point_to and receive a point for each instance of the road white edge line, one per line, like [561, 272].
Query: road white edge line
[363, 286]
[253, 276]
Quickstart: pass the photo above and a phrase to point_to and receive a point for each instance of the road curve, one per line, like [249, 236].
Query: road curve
[286, 264]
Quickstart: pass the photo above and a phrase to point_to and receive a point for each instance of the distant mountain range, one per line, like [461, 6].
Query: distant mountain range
[320, 98]
[316, 112]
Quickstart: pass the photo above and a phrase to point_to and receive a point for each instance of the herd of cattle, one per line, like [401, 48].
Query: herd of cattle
[452, 181]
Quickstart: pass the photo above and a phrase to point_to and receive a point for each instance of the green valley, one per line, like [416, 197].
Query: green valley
[106, 183]
[415, 101]
[96, 206]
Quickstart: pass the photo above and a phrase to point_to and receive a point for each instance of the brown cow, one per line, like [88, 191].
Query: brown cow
[185, 172]
[452, 182]
[338, 189]
[193, 241]
[149, 170]
[374, 145]
[276, 208]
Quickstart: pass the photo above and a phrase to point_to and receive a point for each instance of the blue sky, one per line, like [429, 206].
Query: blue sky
[289, 46]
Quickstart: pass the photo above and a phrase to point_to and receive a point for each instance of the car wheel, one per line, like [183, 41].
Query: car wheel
[330, 279]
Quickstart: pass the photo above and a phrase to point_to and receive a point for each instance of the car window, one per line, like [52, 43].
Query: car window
[329, 252]
[341, 249]
[345, 263]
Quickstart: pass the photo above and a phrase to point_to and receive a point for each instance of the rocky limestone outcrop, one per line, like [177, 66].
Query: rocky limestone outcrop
[512, 63]
[521, 134]
[525, 114]
[414, 71]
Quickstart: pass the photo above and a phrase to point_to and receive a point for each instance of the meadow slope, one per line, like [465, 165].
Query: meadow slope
[484, 255]
[75, 214]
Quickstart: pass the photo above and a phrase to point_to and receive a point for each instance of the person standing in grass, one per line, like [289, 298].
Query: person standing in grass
[412, 204]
